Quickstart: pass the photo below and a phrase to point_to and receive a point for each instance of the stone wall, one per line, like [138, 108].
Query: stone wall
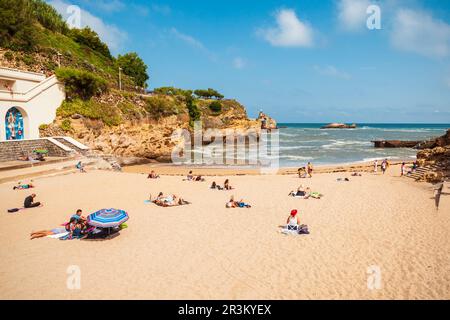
[12, 150]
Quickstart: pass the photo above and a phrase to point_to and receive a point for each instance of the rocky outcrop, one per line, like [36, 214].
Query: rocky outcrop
[140, 137]
[438, 156]
[339, 126]
[394, 144]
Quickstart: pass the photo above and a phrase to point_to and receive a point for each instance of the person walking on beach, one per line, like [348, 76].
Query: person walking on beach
[309, 169]
[437, 194]
[384, 166]
[402, 169]
[29, 202]
[375, 166]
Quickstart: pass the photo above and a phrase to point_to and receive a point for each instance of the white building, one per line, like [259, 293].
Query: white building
[27, 100]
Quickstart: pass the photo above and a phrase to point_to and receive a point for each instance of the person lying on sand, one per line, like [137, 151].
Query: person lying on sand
[342, 179]
[21, 186]
[236, 204]
[300, 192]
[44, 233]
[29, 202]
[152, 175]
[226, 185]
[356, 174]
[169, 201]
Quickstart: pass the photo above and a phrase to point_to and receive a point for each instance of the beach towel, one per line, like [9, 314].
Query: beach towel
[58, 235]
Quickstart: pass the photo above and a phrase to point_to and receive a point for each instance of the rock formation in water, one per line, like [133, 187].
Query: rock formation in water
[339, 126]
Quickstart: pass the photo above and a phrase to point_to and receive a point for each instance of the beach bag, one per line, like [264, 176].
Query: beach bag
[303, 229]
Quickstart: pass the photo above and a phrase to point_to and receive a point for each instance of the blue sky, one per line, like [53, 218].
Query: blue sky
[299, 61]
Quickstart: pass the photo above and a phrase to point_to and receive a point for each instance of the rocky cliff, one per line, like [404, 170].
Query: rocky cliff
[438, 154]
[138, 128]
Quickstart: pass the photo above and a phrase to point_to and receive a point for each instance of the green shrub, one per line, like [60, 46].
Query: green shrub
[28, 59]
[108, 114]
[81, 84]
[159, 107]
[8, 55]
[90, 38]
[215, 107]
[66, 125]
[208, 94]
[43, 126]
[48, 16]
[133, 66]
[194, 112]
[129, 110]
[172, 91]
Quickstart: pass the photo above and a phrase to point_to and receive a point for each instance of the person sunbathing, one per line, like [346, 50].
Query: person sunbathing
[226, 185]
[214, 185]
[169, 201]
[300, 192]
[21, 186]
[237, 204]
[189, 176]
[199, 178]
[44, 233]
[152, 175]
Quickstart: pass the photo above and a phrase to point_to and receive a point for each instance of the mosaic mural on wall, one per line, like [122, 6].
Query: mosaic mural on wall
[14, 124]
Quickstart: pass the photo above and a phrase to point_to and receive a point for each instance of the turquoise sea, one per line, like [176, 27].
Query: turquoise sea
[303, 142]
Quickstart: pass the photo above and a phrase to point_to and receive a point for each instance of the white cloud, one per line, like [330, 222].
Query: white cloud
[193, 42]
[419, 32]
[188, 39]
[110, 34]
[239, 63]
[332, 71]
[289, 32]
[352, 14]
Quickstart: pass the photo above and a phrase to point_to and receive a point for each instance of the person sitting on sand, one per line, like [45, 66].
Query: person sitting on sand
[293, 221]
[301, 172]
[214, 185]
[189, 176]
[152, 175]
[226, 185]
[80, 167]
[356, 174]
[44, 233]
[21, 186]
[29, 202]
[78, 216]
[199, 178]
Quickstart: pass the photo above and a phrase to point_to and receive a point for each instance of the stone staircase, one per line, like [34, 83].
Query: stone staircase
[421, 171]
[56, 146]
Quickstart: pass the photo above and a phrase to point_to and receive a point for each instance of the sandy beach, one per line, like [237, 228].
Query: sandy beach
[205, 251]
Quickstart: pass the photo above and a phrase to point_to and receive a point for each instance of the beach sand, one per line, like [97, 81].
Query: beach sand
[205, 251]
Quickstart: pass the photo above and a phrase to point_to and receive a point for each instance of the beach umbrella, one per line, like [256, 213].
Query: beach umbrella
[107, 218]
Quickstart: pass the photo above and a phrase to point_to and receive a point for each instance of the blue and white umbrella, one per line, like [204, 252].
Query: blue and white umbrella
[107, 218]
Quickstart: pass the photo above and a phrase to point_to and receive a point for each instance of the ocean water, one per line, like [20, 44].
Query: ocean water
[303, 142]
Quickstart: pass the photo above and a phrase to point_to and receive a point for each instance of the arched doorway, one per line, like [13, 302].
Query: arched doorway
[14, 124]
